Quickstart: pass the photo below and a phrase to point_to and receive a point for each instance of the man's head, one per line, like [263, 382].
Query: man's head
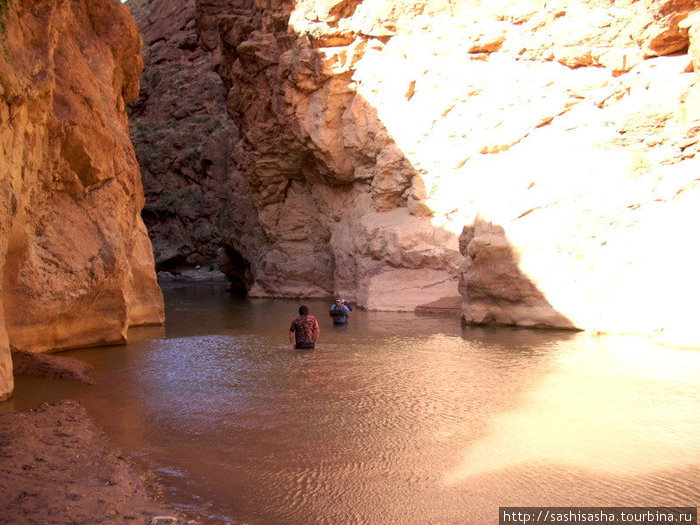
[303, 310]
[338, 301]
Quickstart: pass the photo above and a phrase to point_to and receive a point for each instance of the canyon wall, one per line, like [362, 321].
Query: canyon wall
[199, 211]
[77, 264]
[533, 161]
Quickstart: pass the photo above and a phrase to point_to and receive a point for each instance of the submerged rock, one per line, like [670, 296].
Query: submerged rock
[51, 366]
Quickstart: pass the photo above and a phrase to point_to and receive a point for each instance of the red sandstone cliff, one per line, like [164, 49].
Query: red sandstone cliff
[76, 265]
[536, 159]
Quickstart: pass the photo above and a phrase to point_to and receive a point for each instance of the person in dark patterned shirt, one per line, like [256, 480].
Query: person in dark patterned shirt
[304, 331]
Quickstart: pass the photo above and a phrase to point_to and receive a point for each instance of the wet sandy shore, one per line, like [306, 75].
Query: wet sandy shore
[57, 467]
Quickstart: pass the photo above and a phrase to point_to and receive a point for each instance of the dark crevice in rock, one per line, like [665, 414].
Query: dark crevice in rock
[237, 270]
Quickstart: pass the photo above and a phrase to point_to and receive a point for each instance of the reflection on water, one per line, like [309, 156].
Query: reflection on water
[395, 419]
[593, 411]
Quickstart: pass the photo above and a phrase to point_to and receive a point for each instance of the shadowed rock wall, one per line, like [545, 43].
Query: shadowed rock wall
[536, 159]
[199, 211]
[77, 264]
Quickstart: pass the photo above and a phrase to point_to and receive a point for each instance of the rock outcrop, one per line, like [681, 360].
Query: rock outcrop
[536, 159]
[76, 265]
[291, 222]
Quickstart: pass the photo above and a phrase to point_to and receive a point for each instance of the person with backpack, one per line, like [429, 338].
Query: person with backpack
[340, 312]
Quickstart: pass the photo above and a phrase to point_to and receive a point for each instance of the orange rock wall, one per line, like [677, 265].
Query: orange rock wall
[77, 266]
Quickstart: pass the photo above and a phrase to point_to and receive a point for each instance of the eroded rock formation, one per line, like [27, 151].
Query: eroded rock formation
[540, 154]
[312, 227]
[77, 264]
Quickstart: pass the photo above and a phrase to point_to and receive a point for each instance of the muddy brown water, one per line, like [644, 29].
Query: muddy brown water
[395, 419]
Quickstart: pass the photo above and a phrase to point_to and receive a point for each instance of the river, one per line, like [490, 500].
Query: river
[398, 418]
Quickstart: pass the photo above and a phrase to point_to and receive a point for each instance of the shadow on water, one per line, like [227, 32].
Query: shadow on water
[394, 411]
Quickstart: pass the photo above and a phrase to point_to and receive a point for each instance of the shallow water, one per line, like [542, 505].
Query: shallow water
[396, 419]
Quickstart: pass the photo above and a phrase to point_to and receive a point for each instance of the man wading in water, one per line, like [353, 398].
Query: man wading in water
[304, 331]
[340, 312]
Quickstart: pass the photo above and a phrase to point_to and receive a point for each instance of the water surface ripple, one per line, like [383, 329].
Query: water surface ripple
[395, 419]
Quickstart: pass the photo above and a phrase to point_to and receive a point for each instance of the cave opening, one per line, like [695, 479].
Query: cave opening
[237, 271]
[172, 264]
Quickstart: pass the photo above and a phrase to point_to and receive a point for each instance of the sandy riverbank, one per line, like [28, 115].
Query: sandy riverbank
[57, 467]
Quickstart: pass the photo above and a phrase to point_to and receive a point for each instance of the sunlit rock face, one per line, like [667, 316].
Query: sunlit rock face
[535, 159]
[77, 264]
[561, 138]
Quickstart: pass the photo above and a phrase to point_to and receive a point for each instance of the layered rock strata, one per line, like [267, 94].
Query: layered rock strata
[334, 201]
[536, 159]
[77, 265]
